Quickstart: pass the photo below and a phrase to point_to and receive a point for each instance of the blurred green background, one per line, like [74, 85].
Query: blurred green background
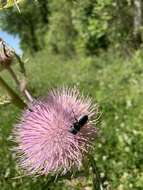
[96, 45]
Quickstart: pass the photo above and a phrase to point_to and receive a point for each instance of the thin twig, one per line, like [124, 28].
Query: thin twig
[25, 91]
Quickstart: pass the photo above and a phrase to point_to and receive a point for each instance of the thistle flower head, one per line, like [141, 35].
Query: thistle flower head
[46, 143]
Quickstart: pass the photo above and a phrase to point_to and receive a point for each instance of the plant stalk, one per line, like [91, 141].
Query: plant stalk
[15, 98]
[24, 91]
[21, 63]
[97, 183]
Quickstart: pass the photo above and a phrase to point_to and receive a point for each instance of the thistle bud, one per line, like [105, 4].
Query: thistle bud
[6, 55]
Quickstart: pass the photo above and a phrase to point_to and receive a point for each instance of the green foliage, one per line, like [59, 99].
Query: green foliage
[116, 83]
[29, 25]
[91, 21]
[86, 26]
[78, 26]
[61, 34]
[73, 26]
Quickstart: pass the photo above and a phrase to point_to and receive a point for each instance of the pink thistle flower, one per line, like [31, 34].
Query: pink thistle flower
[46, 143]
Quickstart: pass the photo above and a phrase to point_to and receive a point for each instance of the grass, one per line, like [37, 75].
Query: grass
[113, 81]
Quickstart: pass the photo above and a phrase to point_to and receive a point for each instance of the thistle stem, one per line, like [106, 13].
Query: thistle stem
[13, 76]
[25, 91]
[97, 184]
[21, 63]
[15, 98]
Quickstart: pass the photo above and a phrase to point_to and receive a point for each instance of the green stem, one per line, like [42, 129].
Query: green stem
[15, 98]
[97, 184]
[21, 63]
[25, 91]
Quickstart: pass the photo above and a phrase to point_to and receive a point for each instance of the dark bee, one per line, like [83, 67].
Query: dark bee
[78, 124]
